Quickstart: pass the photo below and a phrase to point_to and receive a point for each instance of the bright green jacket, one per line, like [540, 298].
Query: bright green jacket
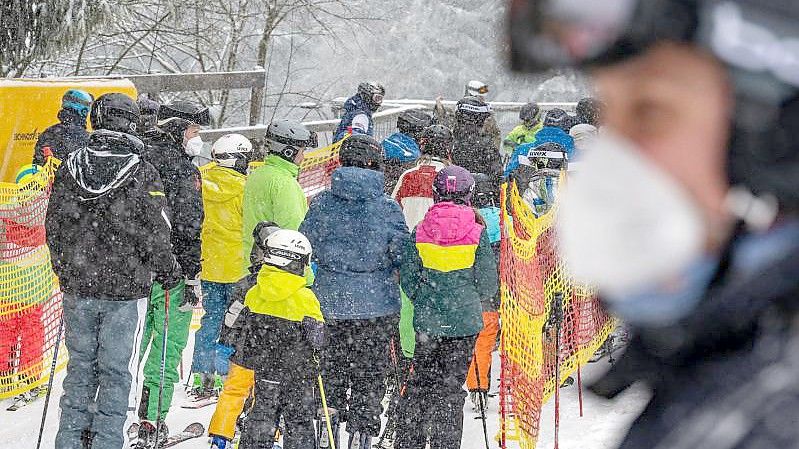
[272, 193]
[519, 135]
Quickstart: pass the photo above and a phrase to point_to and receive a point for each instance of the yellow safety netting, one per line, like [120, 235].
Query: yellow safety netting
[30, 300]
[536, 338]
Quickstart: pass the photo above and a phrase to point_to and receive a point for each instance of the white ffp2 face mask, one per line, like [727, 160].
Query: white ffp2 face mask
[624, 224]
[194, 146]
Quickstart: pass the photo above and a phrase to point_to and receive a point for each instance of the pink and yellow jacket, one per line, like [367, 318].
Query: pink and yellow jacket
[448, 267]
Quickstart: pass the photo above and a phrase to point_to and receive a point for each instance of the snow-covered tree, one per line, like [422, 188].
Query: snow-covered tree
[34, 29]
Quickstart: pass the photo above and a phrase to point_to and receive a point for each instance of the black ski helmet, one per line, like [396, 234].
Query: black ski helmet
[529, 112]
[115, 112]
[437, 141]
[187, 110]
[588, 111]
[558, 118]
[372, 93]
[360, 150]
[472, 110]
[453, 183]
[413, 122]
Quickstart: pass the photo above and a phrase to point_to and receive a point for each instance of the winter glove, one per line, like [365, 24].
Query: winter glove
[170, 279]
[235, 317]
[314, 332]
[192, 294]
[218, 442]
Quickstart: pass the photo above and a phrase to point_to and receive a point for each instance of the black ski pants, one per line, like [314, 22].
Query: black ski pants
[357, 359]
[435, 393]
[292, 398]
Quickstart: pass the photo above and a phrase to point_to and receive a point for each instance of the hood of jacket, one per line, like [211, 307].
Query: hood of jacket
[354, 183]
[449, 224]
[282, 294]
[106, 164]
[221, 184]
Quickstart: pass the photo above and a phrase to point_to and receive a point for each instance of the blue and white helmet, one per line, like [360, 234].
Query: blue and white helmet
[77, 100]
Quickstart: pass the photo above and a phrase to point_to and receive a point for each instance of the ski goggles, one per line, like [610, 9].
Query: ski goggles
[482, 90]
[377, 98]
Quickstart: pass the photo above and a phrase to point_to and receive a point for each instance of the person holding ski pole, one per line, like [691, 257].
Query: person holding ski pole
[282, 331]
[447, 269]
[109, 237]
[358, 233]
[170, 147]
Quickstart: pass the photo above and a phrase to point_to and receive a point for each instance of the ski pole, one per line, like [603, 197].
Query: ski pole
[163, 367]
[558, 316]
[52, 375]
[327, 414]
[480, 399]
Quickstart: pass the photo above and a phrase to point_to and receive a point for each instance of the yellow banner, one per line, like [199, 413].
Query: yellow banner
[29, 106]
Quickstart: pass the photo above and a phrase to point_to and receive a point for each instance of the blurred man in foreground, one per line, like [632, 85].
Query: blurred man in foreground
[700, 257]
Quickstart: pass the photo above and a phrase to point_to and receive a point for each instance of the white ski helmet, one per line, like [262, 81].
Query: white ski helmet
[476, 88]
[287, 138]
[289, 250]
[230, 148]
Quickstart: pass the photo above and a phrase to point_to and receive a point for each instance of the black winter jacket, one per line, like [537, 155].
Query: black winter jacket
[106, 222]
[479, 153]
[726, 376]
[276, 348]
[62, 138]
[183, 190]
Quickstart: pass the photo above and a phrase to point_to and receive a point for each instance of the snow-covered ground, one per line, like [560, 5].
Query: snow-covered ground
[602, 426]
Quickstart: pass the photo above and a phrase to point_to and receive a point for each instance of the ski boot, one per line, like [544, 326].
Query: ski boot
[148, 435]
[359, 441]
[321, 435]
[478, 398]
[218, 442]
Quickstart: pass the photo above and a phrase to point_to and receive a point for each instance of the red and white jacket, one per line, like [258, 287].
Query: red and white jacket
[414, 190]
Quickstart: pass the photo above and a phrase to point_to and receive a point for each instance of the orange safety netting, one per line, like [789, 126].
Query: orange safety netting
[30, 300]
[534, 285]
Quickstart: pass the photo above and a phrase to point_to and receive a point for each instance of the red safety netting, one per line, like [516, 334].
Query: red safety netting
[549, 323]
[30, 301]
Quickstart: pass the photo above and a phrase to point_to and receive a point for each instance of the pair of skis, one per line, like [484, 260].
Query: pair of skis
[192, 431]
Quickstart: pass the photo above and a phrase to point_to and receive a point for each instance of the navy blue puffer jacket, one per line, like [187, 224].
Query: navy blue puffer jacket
[357, 234]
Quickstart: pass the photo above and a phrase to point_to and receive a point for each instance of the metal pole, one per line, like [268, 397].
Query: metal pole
[50, 380]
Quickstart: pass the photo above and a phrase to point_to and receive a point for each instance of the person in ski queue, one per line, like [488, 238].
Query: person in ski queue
[478, 377]
[414, 189]
[700, 259]
[489, 130]
[530, 115]
[358, 110]
[538, 176]
[447, 270]
[109, 235]
[272, 192]
[239, 383]
[282, 333]
[401, 149]
[358, 234]
[414, 193]
[70, 133]
[169, 148]
[589, 111]
[148, 122]
[473, 149]
[223, 192]
[582, 134]
[557, 124]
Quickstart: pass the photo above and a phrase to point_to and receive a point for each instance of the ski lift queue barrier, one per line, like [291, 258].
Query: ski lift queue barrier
[551, 326]
[30, 300]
